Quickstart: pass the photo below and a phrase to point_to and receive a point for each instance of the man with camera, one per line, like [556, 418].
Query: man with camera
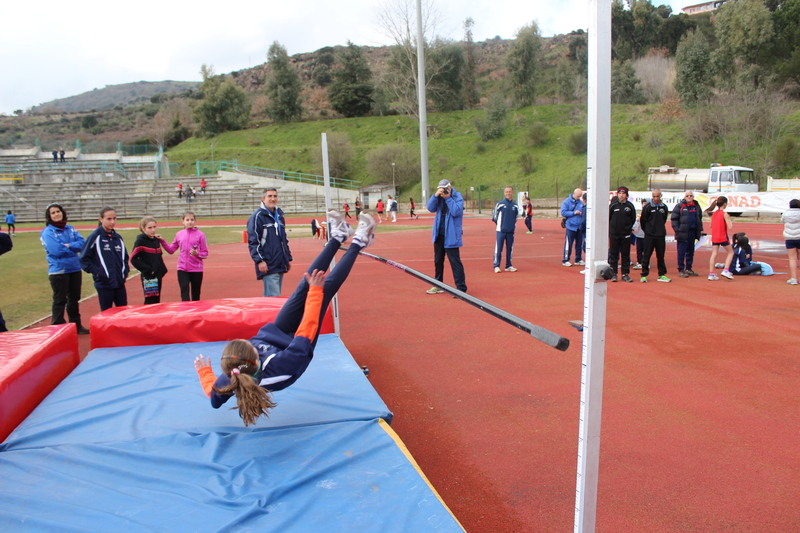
[573, 219]
[448, 205]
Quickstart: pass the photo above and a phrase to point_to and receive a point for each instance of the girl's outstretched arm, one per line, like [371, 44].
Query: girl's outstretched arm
[207, 378]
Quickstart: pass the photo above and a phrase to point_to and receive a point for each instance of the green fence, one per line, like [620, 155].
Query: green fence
[68, 166]
[205, 168]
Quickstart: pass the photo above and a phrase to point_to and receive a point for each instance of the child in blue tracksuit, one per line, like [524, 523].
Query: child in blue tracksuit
[10, 219]
[282, 350]
[742, 263]
[104, 257]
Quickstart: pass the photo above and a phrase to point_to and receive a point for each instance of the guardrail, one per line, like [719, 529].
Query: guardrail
[205, 168]
[68, 166]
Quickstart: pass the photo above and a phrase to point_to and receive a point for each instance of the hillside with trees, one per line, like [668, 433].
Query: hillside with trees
[725, 82]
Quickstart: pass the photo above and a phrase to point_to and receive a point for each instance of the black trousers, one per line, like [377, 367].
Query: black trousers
[454, 257]
[190, 281]
[66, 294]
[659, 244]
[619, 244]
[109, 298]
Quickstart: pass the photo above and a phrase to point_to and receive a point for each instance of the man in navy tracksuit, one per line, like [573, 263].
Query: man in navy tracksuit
[505, 216]
[687, 223]
[621, 217]
[269, 246]
[654, 225]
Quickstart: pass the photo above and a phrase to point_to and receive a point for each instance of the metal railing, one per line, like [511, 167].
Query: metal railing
[67, 166]
[205, 168]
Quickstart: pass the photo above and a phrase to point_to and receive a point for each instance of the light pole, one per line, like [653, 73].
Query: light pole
[394, 190]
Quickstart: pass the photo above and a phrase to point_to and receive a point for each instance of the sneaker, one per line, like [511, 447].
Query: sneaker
[338, 228]
[580, 263]
[528, 232]
[566, 263]
[614, 278]
[497, 270]
[511, 269]
[719, 265]
[683, 274]
[691, 272]
[792, 281]
[643, 279]
[712, 277]
[627, 278]
[726, 274]
[582, 271]
[665, 279]
[365, 235]
[434, 290]
[637, 266]
[82, 330]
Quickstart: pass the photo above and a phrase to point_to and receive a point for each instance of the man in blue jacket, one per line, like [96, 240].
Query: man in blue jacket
[505, 216]
[573, 211]
[448, 205]
[269, 246]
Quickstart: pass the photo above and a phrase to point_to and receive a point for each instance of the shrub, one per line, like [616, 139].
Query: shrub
[636, 137]
[668, 160]
[480, 147]
[786, 153]
[537, 134]
[577, 142]
[493, 124]
[527, 163]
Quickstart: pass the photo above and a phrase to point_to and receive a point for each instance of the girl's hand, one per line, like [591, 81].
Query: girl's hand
[158, 236]
[193, 252]
[200, 362]
[316, 278]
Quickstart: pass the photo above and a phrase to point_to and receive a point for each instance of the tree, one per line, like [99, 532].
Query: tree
[565, 81]
[493, 123]
[224, 107]
[283, 87]
[323, 62]
[340, 154]
[786, 50]
[625, 85]
[445, 64]
[744, 32]
[522, 60]
[672, 30]
[351, 91]
[469, 87]
[405, 159]
[693, 69]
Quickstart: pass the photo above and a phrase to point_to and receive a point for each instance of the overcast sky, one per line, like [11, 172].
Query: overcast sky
[54, 49]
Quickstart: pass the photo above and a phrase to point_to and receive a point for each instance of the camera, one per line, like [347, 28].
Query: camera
[446, 190]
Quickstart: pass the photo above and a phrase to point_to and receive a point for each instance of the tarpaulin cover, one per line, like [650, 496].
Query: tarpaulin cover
[182, 322]
[129, 442]
[32, 363]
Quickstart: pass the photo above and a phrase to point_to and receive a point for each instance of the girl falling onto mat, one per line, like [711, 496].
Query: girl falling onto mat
[281, 351]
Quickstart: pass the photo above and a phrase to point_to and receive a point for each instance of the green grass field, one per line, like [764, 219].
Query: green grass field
[27, 296]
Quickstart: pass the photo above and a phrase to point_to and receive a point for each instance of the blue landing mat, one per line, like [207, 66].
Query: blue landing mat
[121, 394]
[129, 443]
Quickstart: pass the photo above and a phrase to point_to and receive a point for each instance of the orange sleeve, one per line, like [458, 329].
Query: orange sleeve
[310, 324]
[207, 379]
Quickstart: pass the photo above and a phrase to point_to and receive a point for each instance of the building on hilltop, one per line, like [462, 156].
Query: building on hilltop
[705, 7]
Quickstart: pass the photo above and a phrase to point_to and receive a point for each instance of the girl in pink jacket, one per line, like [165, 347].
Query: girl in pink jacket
[192, 243]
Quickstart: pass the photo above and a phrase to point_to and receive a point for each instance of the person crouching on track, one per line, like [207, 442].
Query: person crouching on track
[282, 350]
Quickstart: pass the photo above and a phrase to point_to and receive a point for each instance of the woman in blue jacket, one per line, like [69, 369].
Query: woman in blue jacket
[62, 244]
[104, 257]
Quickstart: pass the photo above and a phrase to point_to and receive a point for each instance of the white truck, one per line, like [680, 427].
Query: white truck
[784, 185]
[715, 179]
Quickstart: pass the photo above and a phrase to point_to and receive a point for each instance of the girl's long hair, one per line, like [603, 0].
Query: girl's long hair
[240, 362]
[721, 202]
[47, 218]
[741, 240]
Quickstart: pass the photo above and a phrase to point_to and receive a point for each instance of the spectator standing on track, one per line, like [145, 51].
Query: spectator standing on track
[412, 214]
[147, 258]
[392, 208]
[379, 208]
[687, 223]
[721, 226]
[194, 249]
[505, 215]
[637, 239]
[281, 350]
[104, 257]
[448, 205]
[621, 217]
[654, 223]
[62, 244]
[269, 245]
[10, 220]
[791, 234]
[527, 211]
[346, 208]
[573, 213]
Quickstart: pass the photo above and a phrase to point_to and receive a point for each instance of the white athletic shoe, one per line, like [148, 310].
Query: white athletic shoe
[566, 263]
[511, 269]
[365, 235]
[496, 270]
[338, 228]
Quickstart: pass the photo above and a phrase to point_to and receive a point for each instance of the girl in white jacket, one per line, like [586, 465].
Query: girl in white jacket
[791, 232]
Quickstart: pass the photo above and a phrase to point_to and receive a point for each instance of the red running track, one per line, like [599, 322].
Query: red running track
[700, 413]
